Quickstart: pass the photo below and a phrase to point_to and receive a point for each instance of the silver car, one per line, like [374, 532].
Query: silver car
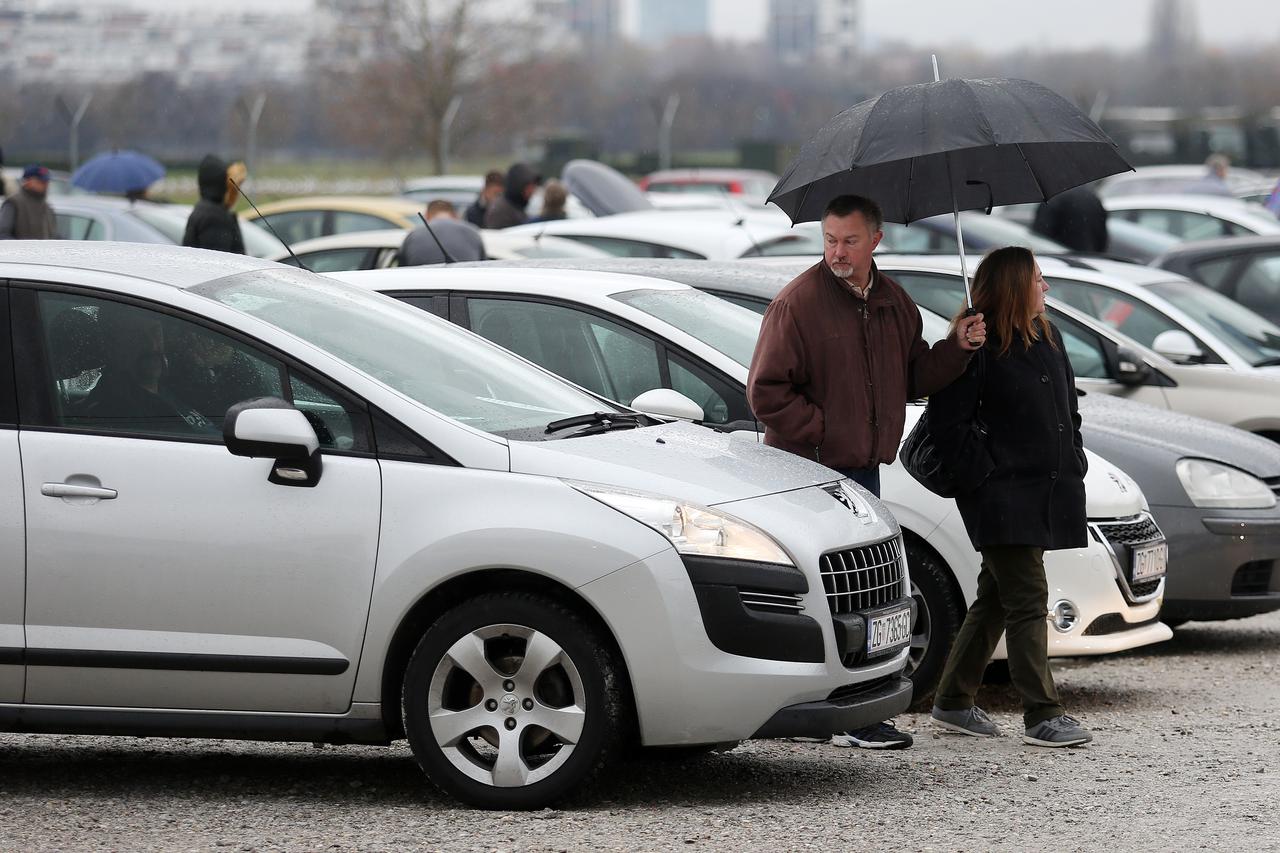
[240, 500]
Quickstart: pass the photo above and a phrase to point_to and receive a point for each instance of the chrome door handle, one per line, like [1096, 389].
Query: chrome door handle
[69, 490]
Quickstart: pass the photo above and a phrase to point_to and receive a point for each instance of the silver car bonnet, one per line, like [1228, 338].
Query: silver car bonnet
[1180, 434]
[678, 460]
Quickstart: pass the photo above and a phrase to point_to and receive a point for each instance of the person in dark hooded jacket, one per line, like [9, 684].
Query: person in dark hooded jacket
[508, 209]
[212, 224]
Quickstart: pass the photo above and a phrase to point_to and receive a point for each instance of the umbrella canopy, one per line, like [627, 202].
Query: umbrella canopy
[118, 172]
[604, 190]
[949, 145]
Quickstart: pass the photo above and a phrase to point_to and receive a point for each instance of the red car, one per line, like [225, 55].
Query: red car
[754, 183]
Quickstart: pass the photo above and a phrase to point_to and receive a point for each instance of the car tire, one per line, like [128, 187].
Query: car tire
[939, 614]
[540, 731]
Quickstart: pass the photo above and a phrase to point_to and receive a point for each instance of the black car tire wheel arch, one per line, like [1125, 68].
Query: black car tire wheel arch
[607, 711]
[940, 611]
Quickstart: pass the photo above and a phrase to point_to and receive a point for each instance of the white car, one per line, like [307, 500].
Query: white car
[1104, 359]
[621, 335]
[396, 528]
[1177, 178]
[1193, 217]
[372, 250]
[1182, 320]
[717, 234]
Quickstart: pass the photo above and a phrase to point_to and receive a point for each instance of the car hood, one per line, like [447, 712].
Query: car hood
[604, 190]
[678, 460]
[1182, 435]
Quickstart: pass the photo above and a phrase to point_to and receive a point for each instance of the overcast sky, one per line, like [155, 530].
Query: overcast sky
[995, 25]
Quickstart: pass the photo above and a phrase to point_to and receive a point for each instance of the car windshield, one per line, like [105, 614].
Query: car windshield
[1251, 336]
[729, 328]
[430, 360]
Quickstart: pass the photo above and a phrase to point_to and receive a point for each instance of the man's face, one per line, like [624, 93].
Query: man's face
[849, 242]
[492, 191]
[36, 185]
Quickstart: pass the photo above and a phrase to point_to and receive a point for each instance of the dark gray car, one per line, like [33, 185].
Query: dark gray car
[1222, 557]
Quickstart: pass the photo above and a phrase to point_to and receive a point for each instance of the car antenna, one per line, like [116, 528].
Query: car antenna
[267, 223]
[448, 258]
[742, 220]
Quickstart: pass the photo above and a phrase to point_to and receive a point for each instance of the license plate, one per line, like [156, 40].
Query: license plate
[889, 630]
[1150, 562]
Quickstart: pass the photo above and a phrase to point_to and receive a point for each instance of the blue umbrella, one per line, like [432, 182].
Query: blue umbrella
[118, 172]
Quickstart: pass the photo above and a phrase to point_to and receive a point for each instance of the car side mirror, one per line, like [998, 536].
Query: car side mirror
[1130, 367]
[666, 403]
[268, 427]
[1177, 346]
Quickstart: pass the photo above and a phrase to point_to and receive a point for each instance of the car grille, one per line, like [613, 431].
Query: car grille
[771, 602]
[1253, 578]
[1123, 536]
[863, 578]
[1113, 623]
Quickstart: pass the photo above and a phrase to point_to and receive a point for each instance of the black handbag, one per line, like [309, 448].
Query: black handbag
[919, 455]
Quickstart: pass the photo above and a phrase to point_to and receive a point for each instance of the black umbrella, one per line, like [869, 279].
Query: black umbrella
[947, 146]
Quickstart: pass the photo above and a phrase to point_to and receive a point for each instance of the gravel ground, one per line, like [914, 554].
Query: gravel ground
[1186, 756]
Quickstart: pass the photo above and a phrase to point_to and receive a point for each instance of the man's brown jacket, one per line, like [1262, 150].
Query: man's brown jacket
[832, 373]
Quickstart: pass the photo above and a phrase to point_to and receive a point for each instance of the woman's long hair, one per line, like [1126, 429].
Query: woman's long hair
[1004, 292]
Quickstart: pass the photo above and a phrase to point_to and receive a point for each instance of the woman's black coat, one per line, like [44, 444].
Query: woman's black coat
[1034, 491]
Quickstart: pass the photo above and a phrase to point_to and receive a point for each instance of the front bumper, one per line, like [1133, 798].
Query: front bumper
[844, 710]
[1223, 564]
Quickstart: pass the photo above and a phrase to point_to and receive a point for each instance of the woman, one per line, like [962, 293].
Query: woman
[1027, 495]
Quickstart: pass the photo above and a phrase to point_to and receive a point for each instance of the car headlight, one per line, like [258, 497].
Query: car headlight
[693, 529]
[1212, 484]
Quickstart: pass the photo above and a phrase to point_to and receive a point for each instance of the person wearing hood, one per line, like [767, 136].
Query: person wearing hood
[508, 209]
[212, 224]
[26, 214]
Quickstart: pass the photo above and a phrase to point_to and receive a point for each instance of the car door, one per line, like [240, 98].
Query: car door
[12, 527]
[163, 572]
[1257, 284]
[1093, 360]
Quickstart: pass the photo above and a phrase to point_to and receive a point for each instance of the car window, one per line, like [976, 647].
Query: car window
[120, 368]
[585, 349]
[1252, 337]
[1127, 314]
[623, 248]
[1213, 272]
[73, 227]
[941, 294]
[757, 305]
[787, 245]
[918, 240]
[295, 226]
[345, 221]
[1259, 286]
[1185, 225]
[1084, 349]
[721, 403]
[334, 260]
[728, 328]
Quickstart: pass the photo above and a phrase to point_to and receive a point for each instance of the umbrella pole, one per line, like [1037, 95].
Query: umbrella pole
[955, 212]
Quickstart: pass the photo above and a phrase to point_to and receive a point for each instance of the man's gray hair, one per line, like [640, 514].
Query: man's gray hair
[843, 205]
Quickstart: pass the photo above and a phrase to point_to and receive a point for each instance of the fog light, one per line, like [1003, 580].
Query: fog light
[1064, 616]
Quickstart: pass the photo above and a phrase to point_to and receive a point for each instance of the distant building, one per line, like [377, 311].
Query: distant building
[664, 20]
[593, 24]
[806, 31]
[1174, 30]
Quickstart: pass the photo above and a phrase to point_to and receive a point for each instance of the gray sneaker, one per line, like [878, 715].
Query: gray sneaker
[971, 721]
[1057, 731]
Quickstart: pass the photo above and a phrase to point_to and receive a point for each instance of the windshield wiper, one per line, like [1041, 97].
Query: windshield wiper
[602, 422]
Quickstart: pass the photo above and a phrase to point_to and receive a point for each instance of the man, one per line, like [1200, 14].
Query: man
[1075, 218]
[460, 240]
[26, 215]
[839, 355]
[1214, 181]
[212, 224]
[508, 209]
[493, 184]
